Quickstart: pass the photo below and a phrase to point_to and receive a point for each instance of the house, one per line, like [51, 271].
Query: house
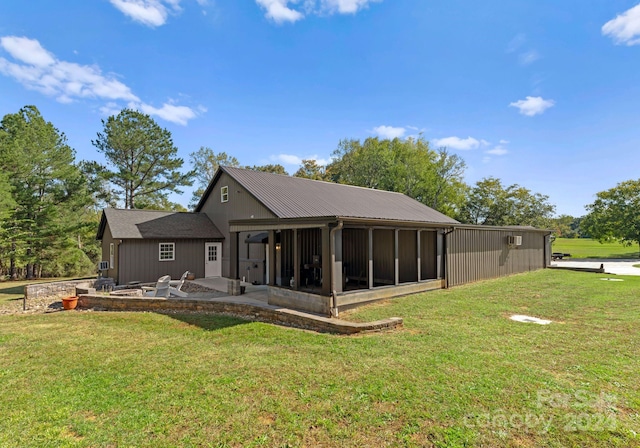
[143, 245]
[323, 247]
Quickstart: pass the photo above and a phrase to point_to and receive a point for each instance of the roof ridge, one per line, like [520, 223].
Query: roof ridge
[310, 180]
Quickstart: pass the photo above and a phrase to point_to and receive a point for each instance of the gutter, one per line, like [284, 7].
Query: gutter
[446, 256]
[332, 243]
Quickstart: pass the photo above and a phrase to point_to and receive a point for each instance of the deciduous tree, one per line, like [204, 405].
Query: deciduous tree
[615, 214]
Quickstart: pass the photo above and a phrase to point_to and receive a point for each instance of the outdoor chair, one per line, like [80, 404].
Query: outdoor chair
[160, 290]
[176, 285]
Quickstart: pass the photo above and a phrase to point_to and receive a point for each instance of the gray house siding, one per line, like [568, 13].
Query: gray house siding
[107, 240]
[142, 260]
[241, 205]
[479, 254]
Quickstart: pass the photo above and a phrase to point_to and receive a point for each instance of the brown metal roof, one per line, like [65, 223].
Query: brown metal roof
[153, 224]
[294, 197]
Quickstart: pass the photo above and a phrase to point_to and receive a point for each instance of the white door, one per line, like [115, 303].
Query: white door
[212, 259]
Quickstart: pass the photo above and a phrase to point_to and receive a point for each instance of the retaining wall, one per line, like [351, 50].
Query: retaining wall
[249, 311]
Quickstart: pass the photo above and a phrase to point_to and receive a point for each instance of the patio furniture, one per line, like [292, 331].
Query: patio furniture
[176, 285]
[160, 290]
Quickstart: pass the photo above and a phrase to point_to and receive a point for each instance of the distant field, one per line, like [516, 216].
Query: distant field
[588, 248]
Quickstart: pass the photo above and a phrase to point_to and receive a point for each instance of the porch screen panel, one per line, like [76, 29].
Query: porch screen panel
[428, 254]
[383, 257]
[408, 256]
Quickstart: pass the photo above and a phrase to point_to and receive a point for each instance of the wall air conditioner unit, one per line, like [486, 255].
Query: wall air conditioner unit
[103, 265]
[514, 240]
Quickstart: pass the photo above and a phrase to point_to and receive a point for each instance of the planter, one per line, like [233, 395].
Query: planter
[70, 303]
[191, 276]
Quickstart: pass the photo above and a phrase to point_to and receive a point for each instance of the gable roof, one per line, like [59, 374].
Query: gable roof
[154, 224]
[295, 197]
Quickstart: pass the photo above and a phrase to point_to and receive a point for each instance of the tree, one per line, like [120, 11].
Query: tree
[47, 188]
[311, 170]
[489, 203]
[205, 163]
[407, 166]
[143, 157]
[269, 168]
[615, 214]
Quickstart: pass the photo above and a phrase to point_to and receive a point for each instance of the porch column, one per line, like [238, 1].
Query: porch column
[396, 265]
[439, 255]
[296, 259]
[370, 253]
[271, 275]
[337, 260]
[234, 271]
[326, 261]
[419, 260]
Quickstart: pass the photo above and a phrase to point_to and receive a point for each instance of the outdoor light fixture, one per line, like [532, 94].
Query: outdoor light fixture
[278, 246]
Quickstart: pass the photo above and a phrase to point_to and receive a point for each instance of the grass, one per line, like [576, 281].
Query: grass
[460, 373]
[588, 248]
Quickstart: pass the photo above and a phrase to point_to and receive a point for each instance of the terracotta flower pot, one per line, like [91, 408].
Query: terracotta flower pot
[70, 303]
[191, 276]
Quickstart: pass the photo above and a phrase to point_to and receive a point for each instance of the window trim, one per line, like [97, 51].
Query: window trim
[224, 194]
[112, 253]
[166, 249]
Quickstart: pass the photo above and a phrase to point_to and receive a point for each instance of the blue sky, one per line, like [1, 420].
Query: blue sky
[542, 93]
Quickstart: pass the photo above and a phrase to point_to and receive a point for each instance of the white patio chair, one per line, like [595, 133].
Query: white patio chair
[160, 290]
[175, 285]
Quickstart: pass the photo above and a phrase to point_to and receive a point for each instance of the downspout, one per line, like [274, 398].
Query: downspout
[446, 256]
[332, 243]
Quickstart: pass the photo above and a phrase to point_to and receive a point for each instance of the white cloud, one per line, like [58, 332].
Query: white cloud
[529, 57]
[625, 28]
[148, 12]
[504, 142]
[345, 6]
[533, 105]
[279, 12]
[283, 10]
[290, 159]
[389, 131]
[27, 50]
[517, 42]
[39, 70]
[462, 144]
[170, 112]
[498, 151]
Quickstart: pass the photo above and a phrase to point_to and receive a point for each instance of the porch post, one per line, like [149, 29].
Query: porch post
[234, 259]
[370, 253]
[418, 232]
[326, 261]
[271, 275]
[296, 259]
[396, 267]
[337, 260]
[439, 254]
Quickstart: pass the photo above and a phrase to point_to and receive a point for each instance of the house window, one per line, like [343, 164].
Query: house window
[167, 251]
[112, 252]
[224, 194]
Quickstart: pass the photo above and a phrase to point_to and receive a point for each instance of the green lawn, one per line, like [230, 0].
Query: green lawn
[588, 248]
[459, 373]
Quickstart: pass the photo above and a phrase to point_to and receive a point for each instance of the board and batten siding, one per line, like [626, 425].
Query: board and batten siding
[479, 254]
[107, 240]
[240, 205]
[142, 260]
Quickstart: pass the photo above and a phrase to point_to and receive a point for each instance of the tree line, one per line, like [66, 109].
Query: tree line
[50, 203]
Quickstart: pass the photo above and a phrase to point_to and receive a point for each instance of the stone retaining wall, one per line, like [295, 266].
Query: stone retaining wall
[55, 290]
[249, 311]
